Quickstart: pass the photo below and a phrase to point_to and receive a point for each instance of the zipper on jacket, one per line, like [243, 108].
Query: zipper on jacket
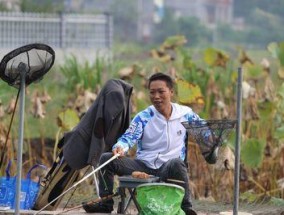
[168, 137]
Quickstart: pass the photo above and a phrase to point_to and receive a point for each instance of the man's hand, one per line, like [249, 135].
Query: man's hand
[119, 151]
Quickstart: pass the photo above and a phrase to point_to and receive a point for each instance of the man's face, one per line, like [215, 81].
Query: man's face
[160, 94]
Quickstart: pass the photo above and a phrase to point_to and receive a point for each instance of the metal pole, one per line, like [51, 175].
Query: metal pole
[238, 140]
[96, 184]
[20, 141]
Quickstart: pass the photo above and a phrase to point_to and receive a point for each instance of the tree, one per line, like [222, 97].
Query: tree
[194, 31]
[124, 14]
[264, 27]
[167, 27]
[243, 8]
[3, 7]
[190, 27]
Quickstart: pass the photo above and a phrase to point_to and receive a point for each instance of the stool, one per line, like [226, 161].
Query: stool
[129, 183]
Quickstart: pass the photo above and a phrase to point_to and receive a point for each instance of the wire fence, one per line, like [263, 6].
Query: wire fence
[57, 30]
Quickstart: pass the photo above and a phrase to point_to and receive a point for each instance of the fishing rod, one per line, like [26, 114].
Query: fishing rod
[99, 199]
[79, 182]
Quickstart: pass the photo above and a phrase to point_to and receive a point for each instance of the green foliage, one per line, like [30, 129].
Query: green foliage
[266, 110]
[190, 27]
[276, 201]
[261, 18]
[244, 8]
[87, 75]
[188, 93]
[281, 91]
[273, 49]
[6, 92]
[215, 66]
[262, 24]
[210, 56]
[249, 197]
[214, 57]
[277, 51]
[168, 26]
[254, 72]
[68, 119]
[214, 74]
[3, 7]
[196, 33]
[141, 105]
[174, 42]
[264, 27]
[225, 32]
[281, 53]
[252, 152]
[279, 133]
[190, 70]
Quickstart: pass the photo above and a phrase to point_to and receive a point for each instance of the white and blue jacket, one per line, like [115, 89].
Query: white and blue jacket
[158, 140]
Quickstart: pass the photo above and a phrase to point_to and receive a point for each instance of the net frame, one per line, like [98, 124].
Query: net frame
[10, 73]
[223, 128]
[210, 135]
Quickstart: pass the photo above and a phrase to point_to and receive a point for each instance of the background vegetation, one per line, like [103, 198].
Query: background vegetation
[205, 69]
[206, 81]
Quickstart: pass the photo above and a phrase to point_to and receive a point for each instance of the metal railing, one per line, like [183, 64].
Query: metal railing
[57, 30]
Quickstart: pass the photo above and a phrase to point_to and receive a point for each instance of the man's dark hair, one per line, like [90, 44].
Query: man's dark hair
[162, 77]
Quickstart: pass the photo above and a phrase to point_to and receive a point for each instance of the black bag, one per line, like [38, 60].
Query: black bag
[58, 179]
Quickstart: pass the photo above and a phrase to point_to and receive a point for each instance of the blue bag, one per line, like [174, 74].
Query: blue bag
[29, 189]
[7, 189]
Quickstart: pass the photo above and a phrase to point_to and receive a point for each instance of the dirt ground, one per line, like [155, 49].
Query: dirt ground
[212, 208]
[86, 192]
[202, 208]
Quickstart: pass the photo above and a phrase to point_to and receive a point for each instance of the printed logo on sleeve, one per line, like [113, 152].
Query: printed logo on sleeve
[132, 128]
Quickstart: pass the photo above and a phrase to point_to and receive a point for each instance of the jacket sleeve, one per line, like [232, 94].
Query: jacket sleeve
[132, 135]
